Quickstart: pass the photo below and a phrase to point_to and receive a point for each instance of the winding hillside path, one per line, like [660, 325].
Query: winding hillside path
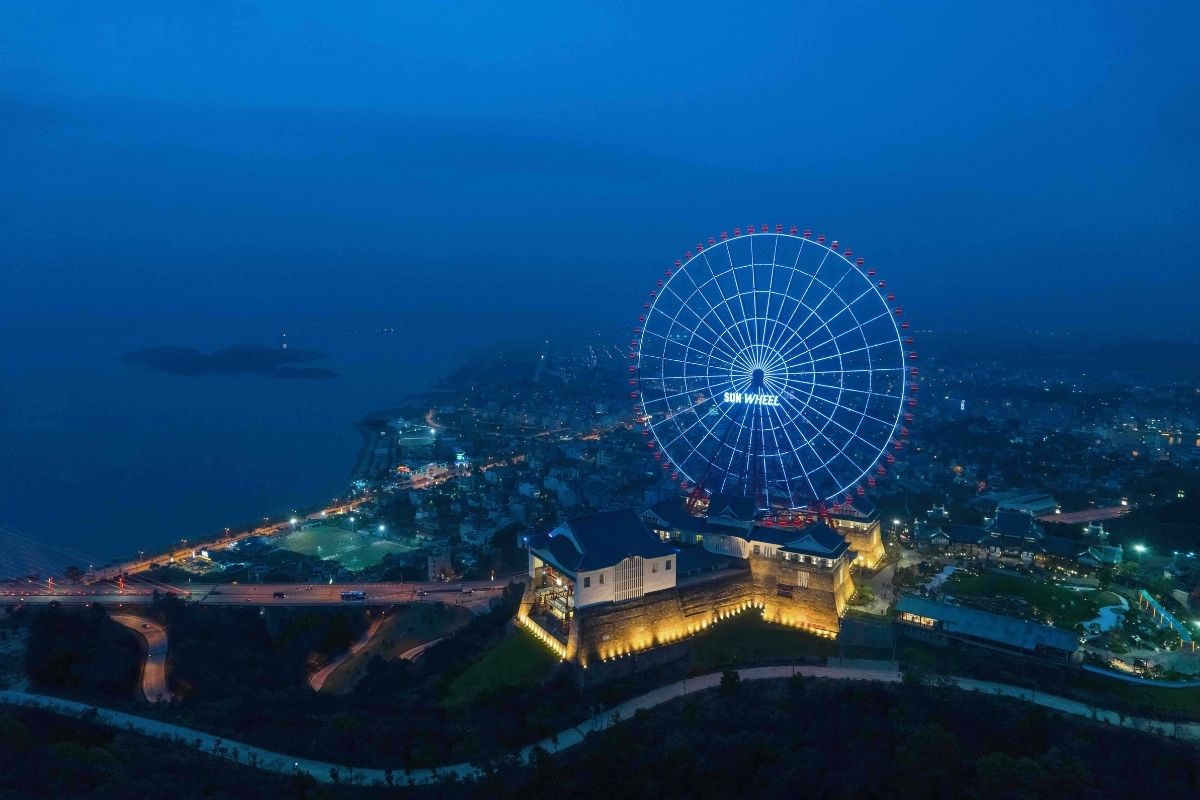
[154, 668]
[317, 681]
[323, 770]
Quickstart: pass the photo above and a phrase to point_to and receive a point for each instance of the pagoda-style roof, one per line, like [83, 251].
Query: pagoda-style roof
[597, 541]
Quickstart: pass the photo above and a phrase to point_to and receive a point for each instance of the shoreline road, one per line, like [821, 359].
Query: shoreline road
[154, 668]
[325, 771]
[475, 595]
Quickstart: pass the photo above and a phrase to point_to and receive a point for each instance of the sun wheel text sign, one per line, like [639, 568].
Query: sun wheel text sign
[752, 398]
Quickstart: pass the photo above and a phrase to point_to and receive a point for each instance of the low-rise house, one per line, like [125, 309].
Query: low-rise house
[957, 626]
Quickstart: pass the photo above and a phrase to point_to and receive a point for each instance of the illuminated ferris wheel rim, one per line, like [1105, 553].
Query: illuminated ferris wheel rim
[774, 375]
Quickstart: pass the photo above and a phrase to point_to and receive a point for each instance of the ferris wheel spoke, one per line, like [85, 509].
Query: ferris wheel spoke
[767, 317]
[755, 337]
[683, 432]
[856, 328]
[733, 451]
[699, 298]
[741, 319]
[698, 364]
[725, 356]
[803, 296]
[779, 426]
[703, 319]
[829, 420]
[695, 446]
[822, 463]
[715, 282]
[851, 410]
[870, 392]
[792, 334]
[795, 268]
[685, 345]
[787, 327]
[841, 354]
[832, 289]
[825, 324]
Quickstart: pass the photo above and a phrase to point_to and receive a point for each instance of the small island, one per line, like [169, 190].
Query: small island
[243, 359]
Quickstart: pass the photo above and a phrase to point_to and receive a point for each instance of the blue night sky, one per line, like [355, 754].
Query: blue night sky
[189, 165]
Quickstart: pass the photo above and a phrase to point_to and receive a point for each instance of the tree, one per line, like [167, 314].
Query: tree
[929, 763]
[1002, 777]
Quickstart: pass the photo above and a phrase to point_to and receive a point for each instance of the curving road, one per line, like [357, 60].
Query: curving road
[321, 770]
[317, 681]
[154, 669]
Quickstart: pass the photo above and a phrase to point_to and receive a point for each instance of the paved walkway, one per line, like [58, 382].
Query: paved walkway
[413, 653]
[322, 770]
[318, 678]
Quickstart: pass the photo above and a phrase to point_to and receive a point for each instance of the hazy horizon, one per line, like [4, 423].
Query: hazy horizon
[246, 163]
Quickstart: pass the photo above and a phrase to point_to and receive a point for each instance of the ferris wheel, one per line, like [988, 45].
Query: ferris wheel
[773, 365]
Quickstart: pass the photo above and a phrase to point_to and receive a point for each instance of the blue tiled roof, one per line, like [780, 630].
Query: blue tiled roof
[605, 539]
[817, 539]
[858, 508]
[966, 534]
[1016, 523]
[1064, 546]
[733, 506]
[676, 515]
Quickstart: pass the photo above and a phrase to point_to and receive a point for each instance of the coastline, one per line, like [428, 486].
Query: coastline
[368, 425]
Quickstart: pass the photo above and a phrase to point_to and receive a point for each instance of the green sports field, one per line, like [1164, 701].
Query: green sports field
[354, 550]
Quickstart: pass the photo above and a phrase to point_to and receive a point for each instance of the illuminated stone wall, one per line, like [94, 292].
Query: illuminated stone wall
[611, 631]
[864, 538]
[605, 633]
[817, 607]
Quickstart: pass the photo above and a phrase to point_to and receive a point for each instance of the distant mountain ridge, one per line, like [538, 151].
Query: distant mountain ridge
[242, 359]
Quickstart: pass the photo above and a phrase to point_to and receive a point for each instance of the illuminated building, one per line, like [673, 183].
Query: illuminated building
[609, 585]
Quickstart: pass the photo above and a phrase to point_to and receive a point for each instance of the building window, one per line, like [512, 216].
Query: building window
[802, 579]
[587, 581]
[654, 566]
[668, 565]
[757, 550]
[601, 578]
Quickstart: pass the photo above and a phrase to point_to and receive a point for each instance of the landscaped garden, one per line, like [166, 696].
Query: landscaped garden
[1022, 597]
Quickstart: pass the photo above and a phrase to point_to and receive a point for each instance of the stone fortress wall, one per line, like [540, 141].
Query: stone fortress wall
[771, 587]
[864, 538]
